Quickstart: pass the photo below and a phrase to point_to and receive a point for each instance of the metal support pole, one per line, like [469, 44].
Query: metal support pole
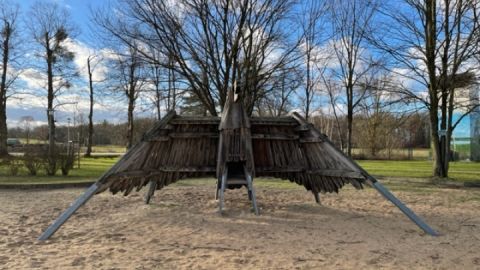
[69, 212]
[370, 179]
[151, 190]
[250, 188]
[409, 213]
[249, 192]
[99, 185]
[222, 189]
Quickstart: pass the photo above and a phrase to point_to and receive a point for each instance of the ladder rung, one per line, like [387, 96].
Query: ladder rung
[236, 181]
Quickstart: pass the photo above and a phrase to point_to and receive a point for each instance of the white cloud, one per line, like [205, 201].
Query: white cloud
[83, 52]
[33, 78]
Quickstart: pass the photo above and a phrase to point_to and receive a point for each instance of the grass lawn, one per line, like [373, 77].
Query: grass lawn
[92, 168]
[459, 171]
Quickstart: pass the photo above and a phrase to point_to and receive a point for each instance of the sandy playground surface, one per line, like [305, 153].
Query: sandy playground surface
[182, 229]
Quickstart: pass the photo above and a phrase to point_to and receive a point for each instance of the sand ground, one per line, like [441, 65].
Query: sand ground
[182, 229]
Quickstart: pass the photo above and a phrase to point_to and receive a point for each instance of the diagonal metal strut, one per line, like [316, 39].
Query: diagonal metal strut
[407, 211]
[69, 212]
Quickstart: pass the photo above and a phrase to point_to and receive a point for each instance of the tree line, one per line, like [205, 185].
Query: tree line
[375, 134]
[377, 62]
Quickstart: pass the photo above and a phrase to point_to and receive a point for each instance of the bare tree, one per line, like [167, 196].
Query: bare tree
[51, 29]
[164, 82]
[131, 80]
[212, 44]
[156, 81]
[351, 20]
[433, 45]
[383, 112]
[279, 101]
[311, 24]
[8, 27]
[27, 126]
[333, 89]
[93, 61]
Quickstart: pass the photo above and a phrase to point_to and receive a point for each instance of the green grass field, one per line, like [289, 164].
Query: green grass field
[92, 168]
[459, 171]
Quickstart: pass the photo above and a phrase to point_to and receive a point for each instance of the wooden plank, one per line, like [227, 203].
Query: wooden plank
[336, 173]
[163, 169]
[276, 121]
[279, 170]
[311, 140]
[195, 120]
[189, 135]
[151, 132]
[286, 137]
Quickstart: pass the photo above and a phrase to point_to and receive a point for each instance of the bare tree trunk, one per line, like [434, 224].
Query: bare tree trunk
[131, 95]
[308, 93]
[158, 95]
[436, 148]
[430, 51]
[50, 112]
[90, 113]
[50, 28]
[170, 83]
[349, 130]
[3, 91]
[131, 106]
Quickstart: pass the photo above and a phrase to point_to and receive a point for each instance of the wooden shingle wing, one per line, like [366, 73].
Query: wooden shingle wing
[290, 148]
[178, 147]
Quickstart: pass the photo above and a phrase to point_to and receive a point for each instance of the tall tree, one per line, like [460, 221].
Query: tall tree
[311, 24]
[8, 28]
[351, 20]
[279, 101]
[27, 126]
[92, 61]
[164, 82]
[381, 110]
[131, 78]
[213, 44]
[433, 45]
[333, 89]
[51, 29]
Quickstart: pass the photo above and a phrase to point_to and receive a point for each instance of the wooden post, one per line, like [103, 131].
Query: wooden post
[151, 190]
[317, 197]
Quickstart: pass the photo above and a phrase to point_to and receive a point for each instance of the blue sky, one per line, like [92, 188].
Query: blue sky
[107, 108]
[79, 9]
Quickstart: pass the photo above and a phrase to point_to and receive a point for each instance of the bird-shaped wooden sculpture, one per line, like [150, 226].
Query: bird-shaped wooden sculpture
[234, 149]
